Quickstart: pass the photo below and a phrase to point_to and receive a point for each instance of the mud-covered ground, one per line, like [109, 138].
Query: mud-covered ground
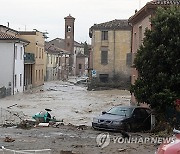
[76, 106]
[70, 138]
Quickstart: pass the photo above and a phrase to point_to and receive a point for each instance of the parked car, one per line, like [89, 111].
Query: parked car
[172, 147]
[128, 118]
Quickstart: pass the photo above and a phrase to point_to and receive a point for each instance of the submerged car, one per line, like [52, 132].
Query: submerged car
[172, 147]
[128, 118]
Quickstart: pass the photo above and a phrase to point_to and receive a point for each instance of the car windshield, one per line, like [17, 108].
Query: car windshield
[122, 111]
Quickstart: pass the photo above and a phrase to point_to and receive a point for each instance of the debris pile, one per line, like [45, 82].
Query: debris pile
[9, 139]
[10, 118]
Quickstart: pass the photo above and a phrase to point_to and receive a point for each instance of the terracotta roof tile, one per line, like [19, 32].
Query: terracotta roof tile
[5, 36]
[114, 24]
[165, 2]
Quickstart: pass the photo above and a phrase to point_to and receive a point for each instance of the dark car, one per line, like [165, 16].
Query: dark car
[128, 118]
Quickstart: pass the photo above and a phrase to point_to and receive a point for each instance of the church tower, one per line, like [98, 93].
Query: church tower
[69, 39]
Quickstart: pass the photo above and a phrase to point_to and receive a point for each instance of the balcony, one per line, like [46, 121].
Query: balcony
[29, 58]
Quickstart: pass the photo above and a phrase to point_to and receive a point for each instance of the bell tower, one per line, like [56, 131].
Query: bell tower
[69, 39]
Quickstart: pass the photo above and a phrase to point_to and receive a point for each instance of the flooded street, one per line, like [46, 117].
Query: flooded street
[74, 104]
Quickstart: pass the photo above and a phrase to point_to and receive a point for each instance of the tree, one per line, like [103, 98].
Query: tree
[86, 48]
[158, 61]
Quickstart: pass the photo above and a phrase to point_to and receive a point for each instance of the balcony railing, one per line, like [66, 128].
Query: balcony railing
[29, 58]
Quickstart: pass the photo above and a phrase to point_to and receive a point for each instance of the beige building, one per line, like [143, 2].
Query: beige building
[35, 47]
[111, 47]
[57, 62]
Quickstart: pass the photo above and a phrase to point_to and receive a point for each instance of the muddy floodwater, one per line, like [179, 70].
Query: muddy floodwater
[74, 104]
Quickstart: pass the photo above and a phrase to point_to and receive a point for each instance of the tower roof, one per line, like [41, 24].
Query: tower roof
[69, 17]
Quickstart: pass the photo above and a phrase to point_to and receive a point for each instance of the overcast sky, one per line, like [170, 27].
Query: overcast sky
[48, 15]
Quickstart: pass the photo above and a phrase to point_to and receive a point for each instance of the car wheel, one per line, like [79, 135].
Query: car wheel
[128, 127]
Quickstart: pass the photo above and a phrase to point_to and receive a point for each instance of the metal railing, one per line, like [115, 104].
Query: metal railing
[42, 151]
[29, 58]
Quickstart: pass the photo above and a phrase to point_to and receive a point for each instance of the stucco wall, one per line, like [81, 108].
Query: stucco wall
[19, 68]
[6, 64]
[36, 46]
[136, 42]
[118, 44]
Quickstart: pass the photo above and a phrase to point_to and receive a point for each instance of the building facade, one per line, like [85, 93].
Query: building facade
[36, 48]
[111, 44]
[140, 21]
[59, 45]
[57, 62]
[11, 61]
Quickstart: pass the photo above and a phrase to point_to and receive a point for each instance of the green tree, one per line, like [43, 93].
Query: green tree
[86, 48]
[158, 61]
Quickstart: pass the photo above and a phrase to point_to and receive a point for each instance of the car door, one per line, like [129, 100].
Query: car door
[139, 117]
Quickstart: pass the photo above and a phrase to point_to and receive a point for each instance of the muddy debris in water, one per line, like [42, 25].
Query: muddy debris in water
[26, 124]
[67, 152]
[8, 124]
[122, 150]
[77, 146]
[58, 124]
[9, 139]
[80, 127]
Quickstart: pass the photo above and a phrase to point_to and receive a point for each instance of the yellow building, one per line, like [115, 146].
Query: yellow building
[57, 62]
[111, 49]
[36, 47]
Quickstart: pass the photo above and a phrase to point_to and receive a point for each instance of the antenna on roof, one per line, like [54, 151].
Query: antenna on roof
[8, 24]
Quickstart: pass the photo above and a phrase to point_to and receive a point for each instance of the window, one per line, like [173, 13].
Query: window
[15, 54]
[104, 77]
[80, 66]
[135, 41]
[36, 75]
[129, 59]
[42, 53]
[140, 35]
[104, 57]
[21, 54]
[68, 28]
[57, 58]
[104, 35]
[15, 80]
[42, 74]
[39, 75]
[20, 80]
[39, 52]
[36, 52]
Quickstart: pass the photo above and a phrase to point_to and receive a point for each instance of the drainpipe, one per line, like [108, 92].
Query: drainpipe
[13, 68]
[114, 71]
